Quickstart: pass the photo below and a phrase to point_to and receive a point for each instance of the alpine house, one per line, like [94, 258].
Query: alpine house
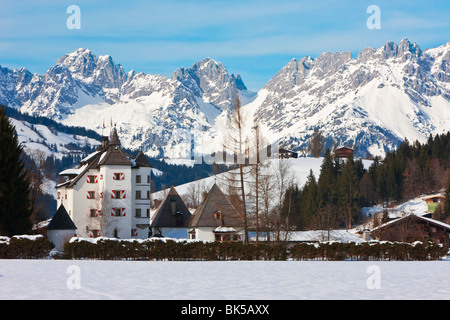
[108, 194]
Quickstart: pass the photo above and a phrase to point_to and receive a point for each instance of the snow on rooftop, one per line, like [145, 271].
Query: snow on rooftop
[73, 171]
[90, 156]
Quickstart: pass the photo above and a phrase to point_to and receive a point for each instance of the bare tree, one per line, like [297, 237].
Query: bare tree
[236, 141]
[283, 178]
[266, 185]
[259, 144]
[104, 217]
[327, 218]
[195, 192]
[36, 175]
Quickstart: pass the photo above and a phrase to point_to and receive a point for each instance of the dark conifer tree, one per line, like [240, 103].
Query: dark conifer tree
[15, 208]
[327, 181]
[310, 200]
[349, 190]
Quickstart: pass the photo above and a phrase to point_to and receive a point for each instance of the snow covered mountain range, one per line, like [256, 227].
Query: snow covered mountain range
[372, 101]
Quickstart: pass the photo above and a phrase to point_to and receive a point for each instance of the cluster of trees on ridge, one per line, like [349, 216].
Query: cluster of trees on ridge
[335, 198]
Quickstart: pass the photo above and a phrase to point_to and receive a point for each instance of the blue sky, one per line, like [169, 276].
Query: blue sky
[253, 38]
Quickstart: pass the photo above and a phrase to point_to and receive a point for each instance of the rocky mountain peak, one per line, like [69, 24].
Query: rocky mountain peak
[373, 101]
[210, 80]
[81, 62]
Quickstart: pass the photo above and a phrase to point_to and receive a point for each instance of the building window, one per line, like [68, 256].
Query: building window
[138, 179]
[148, 213]
[118, 194]
[93, 233]
[138, 212]
[118, 176]
[148, 179]
[148, 194]
[179, 220]
[91, 195]
[91, 179]
[118, 212]
[138, 194]
[93, 213]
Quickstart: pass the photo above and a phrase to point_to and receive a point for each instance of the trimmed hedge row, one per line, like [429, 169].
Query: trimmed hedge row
[374, 251]
[112, 249]
[38, 247]
[25, 247]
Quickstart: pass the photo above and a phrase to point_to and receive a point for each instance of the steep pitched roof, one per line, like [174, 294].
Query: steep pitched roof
[414, 216]
[110, 154]
[216, 203]
[141, 160]
[114, 156]
[115, 141]
[61, 220]
[172, 212]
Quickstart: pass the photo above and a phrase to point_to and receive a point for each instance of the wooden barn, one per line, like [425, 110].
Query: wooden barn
[343, 152]
[413, 228]
[286, 154]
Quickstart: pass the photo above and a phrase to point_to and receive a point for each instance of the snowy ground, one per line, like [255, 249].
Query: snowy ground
[243, 280]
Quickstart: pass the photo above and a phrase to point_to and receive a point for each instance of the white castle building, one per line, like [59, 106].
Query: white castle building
[108, 194]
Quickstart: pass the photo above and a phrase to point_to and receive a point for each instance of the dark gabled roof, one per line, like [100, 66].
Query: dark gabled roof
[61, 220]
[114, 156]
[413, 216]
[164, 217]
[216, 202]
[110, 154]
[141, 160]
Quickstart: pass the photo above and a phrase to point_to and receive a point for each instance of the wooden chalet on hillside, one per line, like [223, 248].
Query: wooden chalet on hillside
[286, 154]
[413, 228]
[343, 152]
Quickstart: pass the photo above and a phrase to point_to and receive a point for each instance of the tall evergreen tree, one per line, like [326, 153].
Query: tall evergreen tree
[310, 200]
[327, 180]
[15, 210]
[349, 190]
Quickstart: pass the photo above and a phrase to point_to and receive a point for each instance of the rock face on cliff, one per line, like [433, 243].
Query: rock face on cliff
[371, 102]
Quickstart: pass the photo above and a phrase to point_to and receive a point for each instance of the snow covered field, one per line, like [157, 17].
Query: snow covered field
[233, 280]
